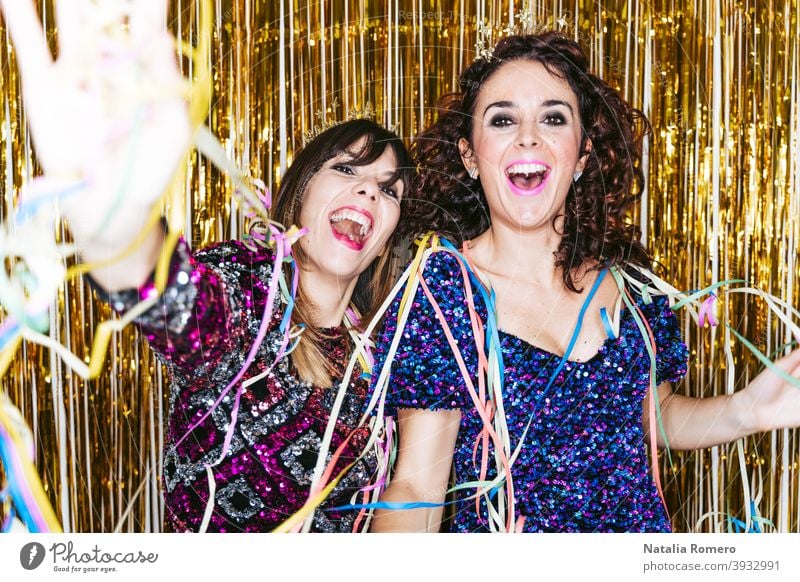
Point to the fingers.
(790, 363)
(148, 19)
(69, 16)
(33, 55)
(793, 363)
(161, 61)
(792, 359)
(149, 30)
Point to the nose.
(528, 135)
(368, 187)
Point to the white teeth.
(527, 169)
(357, 217)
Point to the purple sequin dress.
(584, 463)
(202, 330)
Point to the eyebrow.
(391, 176)
(499, 104)
(553, 102)
(548, 103)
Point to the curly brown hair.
(445, 199)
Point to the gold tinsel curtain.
(719, 81)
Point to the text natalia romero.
(687, 549)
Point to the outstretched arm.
(424, 458)
(768, 402)
(110, 112)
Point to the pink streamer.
(281, 246)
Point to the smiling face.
(525, 144)
(350, 212)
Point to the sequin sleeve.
(671, 353)
(424, 372)
(213, 302)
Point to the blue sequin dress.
(584, 463)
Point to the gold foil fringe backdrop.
(719, 81)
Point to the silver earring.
(576, 176)
(473, 173)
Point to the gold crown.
(323, 123)
(524, 24)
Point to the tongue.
(348, 228)
(526, 181)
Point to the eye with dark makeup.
(344, 169)
(390, 190)
(501, 120)
(554, 118)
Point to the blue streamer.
(29, 208)
(489, 298)
(607, 323)
(9, 334)
(741, 527)
(5, 495)
(289, 297)
(574, 339)
(404, 505)
(394, 506)
(15, 489)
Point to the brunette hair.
(444, 198)
(374, 284)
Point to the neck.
(520, 256)
(328, 297)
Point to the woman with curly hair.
(532, 359)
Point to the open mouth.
(352, 227)
(528, 178)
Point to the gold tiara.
(324, 123)
(525, 23)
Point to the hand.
(111, 110)
(771, 401)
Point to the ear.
(467, 156)
(587, 149)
